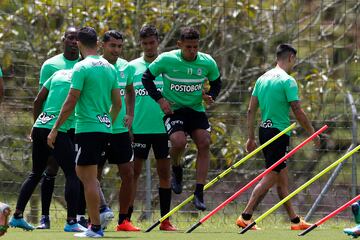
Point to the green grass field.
(208, 231)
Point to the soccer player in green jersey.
(65, 60)
(275, 93)
(119, 150)
(1, 86)
(148, 127)
(95, 93)
(184, 72)
(47, 107)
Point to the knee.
(203, 144)
(164, 175)
(178, 143)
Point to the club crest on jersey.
(122, 74)
(104, 119)
(45, 118)
(199, 71)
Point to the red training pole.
(324, 219)
(235, 195)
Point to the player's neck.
(283, 66)
(71, 56)
(89, 52)
(150, 59)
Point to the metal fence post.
(338, 168)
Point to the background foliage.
(240, 35)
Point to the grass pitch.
(208, 231)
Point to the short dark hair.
(112, 34)
(189, 33)
(148, 31)
(284, 49)
(87, 36)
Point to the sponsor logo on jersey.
(45, 117)
(144, 92)
(104, 119)
(185, 88)
(122, 92)
(266, 124)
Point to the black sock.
(95, 228)
(246, 216)
(18, 215)
(130, 211)
(199, 191)
(165, 200)
(178, 172)
(71, 221)
(295, 220)
(122, 217)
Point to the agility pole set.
(223, 174)
(332, 214)
(302, 187)
(230, 199)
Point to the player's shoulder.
(121, 62)
(173, 54)
(139, 60)
(53, 60)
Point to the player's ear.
(179, 44)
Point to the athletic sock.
(18, 215)
(122, 217)
(295, 220)
(199, 191)
(246, 216)
(130, 211)
(165, 200)
(95, 228)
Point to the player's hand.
(317, 142)
(165, 106)
(207, 98)
(30, 135)
(52, 137)
(250, 145)
(128, 120)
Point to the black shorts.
(89, 147)
(186, 120)
(276, 150)
(143, 142)
(71, 133)
(63, 151)
(118, 150)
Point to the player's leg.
(121, 154)
(201, 138)
(47, 189)
(64, 154)
(40, 153)
(160, 144)
(174, 125)
(89, 147)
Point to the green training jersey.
(124, 80)
(58, 86)
(275, 90)
(1, 74)
(184, 80)
(95, 78)
(148, 115)
(54, 64)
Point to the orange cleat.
(127, 226)
(302, 225)
(243, 223)
(167, 226)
